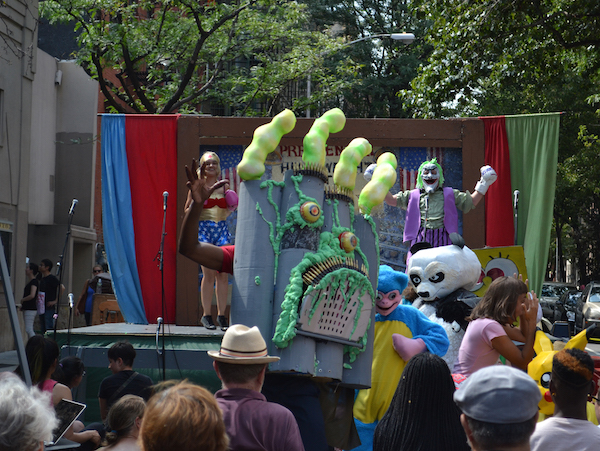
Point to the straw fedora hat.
(242, 345)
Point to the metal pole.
(14, 319)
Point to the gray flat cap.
(499, 394)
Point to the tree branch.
(130, 70)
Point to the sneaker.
(222, 322)
(207, 322)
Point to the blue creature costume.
(394, 323)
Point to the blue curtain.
(117, 220)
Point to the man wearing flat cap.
(252, 423)
(500, 408)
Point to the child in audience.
(490, 333)
(123, 424)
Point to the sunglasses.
(97, 271)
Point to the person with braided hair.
(422, 415)
(570, 386)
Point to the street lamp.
(406, 38)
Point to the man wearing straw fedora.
(252, 423)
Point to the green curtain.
(533, 144)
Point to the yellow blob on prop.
(348, 241)
(315, 141)
(310, 212)
(264, 141)
(383, 179)
(344, 175)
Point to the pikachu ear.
(579, 341)
(542, 343)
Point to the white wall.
(43, 146)
(77, 101)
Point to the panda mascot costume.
(443, 277)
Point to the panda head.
(437, 272)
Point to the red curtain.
(151, 143)
(499, 225)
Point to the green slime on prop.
(285, 329)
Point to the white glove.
(488, 176)
(368, 174)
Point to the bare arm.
(520, 357)
(391, 200)
(206, 254)
(476, 196)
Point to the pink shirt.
(476, 349)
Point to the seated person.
(42, 357)
(123, 381)
(123, 423)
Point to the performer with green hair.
(431, 210)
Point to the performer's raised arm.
(205, 254)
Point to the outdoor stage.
(184, 355)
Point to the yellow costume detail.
(371, 404)
(216, 214)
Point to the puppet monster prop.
(305, 264)
(443, 277)
(401, 331)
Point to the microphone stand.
(59, 269)
(159, 256)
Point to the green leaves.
(180, 55)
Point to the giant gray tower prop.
(305, 264)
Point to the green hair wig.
(420, 177)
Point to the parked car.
(551, 292)
(590, 307)
(568, 308)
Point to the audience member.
(70, 371)
(42, 357)
(570, 385)
(252, 422)
(86, 298)
(29, 301)
(423, 399)
(490, 332)
(26, 418)
(500, 408)
(49, 293)
(123, 424)
(184, 417)
(123, 381)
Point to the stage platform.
(184, 355)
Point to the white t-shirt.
(565, 434)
